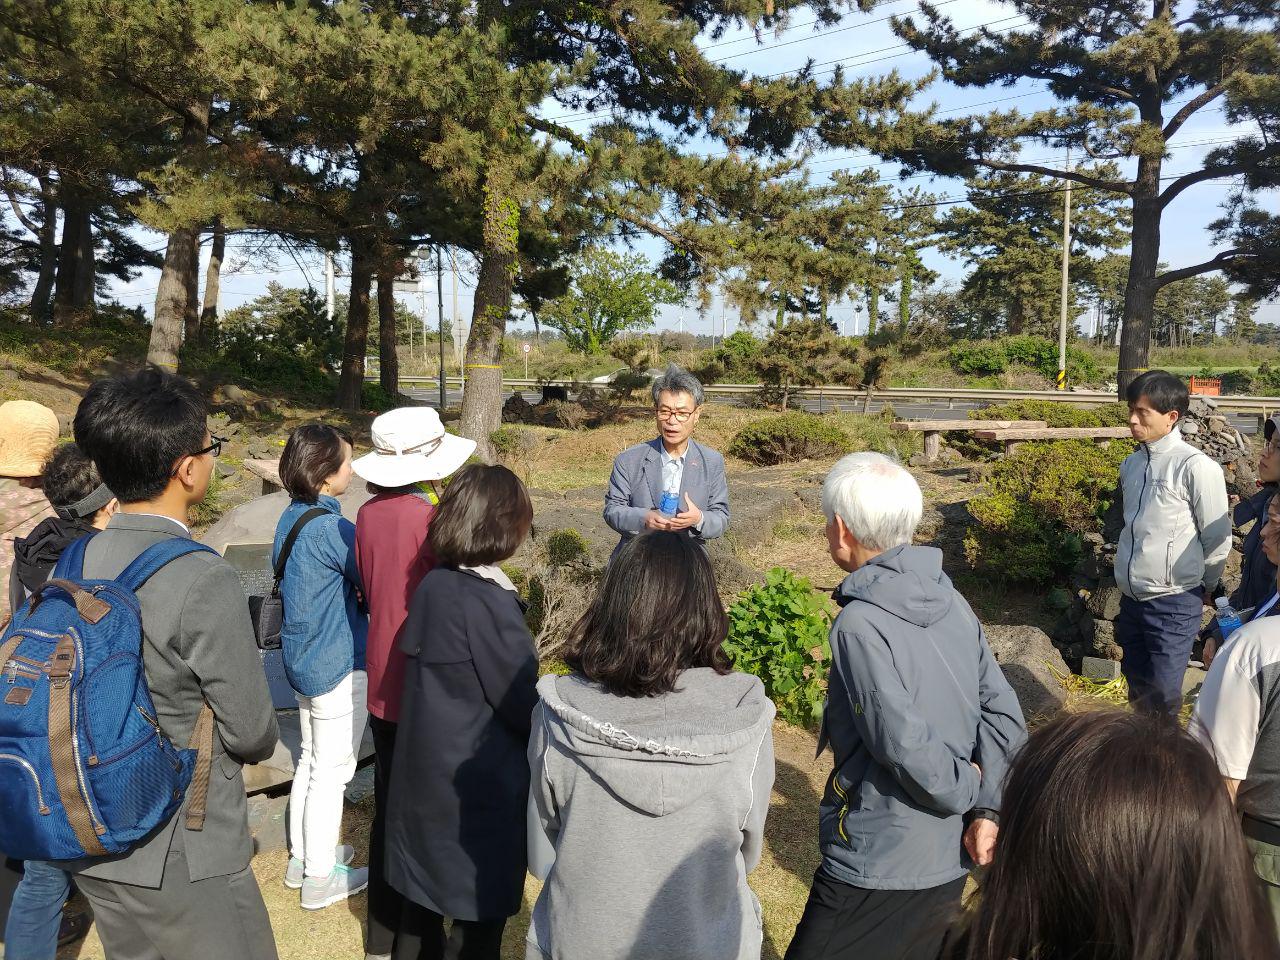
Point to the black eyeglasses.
(214, 448)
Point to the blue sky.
(866, 46)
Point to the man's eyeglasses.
(679, 416)
(214, 448)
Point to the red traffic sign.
(526, 347)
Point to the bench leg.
(1011, 447)
(932, 445)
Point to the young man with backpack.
(186, 889)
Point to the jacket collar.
(1165, 443)
(149, 523)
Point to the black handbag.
(267, 612)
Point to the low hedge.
(790, 437)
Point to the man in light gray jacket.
(671, 482)
(1175, 542)
(921, 723)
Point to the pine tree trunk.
(388, 360)
(482, 399)
(1140, 291)
(171, 298)
(191, 310)
(48, 237)
(86, 277)
(181, 263)
(873, 309)
(351, 380)
(70, 252)
(213, 278)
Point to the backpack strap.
(287, 548)
(70, 565)
(158, 555)
(198, 793)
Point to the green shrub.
(1028, 527)
(509, 440)
(790, 437)
(989, 357)
(978, 358)
(1056, 414)
(1237, 381)
(778, 631)
(565, 547)
(376, 399)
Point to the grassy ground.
(570, 459)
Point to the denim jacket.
(324, 632)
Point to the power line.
(788, 29)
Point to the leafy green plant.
(1056, 414)
(565, 547)
(978, 358)
(1029, 526)
(778, 631)
(790, 437)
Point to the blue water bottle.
(670, 503)
(1228, 619)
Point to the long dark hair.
(1118, 842)
(657, 614)
(483, 517)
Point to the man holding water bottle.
(671, 482)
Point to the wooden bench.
(934, 429)
(268, 472)
(1013, 438)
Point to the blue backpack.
(85, 769)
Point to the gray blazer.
(198, 648)
(635, 488)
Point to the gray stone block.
(1098, 668)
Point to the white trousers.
(332, 728)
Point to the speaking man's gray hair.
(879, 502)
(676, 379)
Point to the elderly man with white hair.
(921, 724)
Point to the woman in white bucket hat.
(411, 453)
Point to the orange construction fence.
(1206, 386)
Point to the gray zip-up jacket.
(915, 698)
(1177, 532)
(646, 815)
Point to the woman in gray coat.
(651, 767)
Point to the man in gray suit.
(183, 891)
(671, 482)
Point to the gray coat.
(635, 488)
(198, 647)
(647, 814)
(914, 695)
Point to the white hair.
(879, 502)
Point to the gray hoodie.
(653, 809)
(914, 696)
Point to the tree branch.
(1112, 186)
(557, 130)
(1212, 173)
(18, 212)
(1191, 106)
(1066, 78)
(1225, 259)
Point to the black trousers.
(385, 902)
(842, 922)
(422, 937)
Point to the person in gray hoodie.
(651, 768)
(921, 723)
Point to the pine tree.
(1127, 78)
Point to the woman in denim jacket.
(323, 638)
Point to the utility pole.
(328, 287)
(1066, 292)
(453, 264)
(440, 304)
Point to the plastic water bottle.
(1228, 619)
(670, 504)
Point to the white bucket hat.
(410, 445)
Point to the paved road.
(916, 410)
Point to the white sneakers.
(295, 874)
(321, 892)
